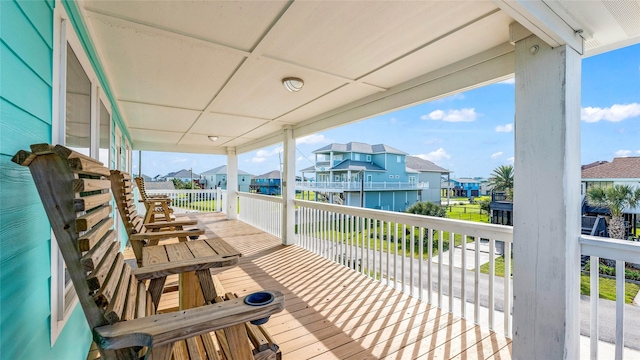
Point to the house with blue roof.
(372, 176)
(267, 183)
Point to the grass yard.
(470, 212)
(607, 286)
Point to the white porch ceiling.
(184, 70)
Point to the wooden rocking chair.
(118, 305)
(157, 206)
(142, 233)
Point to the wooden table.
(196, 287)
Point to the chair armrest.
(177, 267)
(165, 234)
(163, 329)
(156, 201)
(163, 224)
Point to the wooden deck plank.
(332, 312)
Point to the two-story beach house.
(217, 178)
(232, 77)
(372, 176)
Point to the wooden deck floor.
(332, 312)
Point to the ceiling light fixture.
(213, 137)
(293, 84)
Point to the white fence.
(261, 211)
(357, 185)
(621, 251)
(367, 241)
(197, 200)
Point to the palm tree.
(616, 199)
(502, 178)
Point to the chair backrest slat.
(105, 294)
(123, 195)
(98, 276)
(92, 258)
(115, 308)
(90, 219)
(91, 237)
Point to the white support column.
(232, 184)
(289, 188)
(546, 318)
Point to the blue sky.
(469, 133)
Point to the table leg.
(190, 293)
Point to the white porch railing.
(357, 185)
(367, 241)
(197, 200)
(621, 251)
(261, 211)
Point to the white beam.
(545, 23)
(195, 149)
(546, 318)
(232, 184)
(289, 188)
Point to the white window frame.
(356, 157)
(397, 176)
(64, 298)
(390, 176)
(398, 158)
(368, 157)
(412, 179)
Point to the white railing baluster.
(388, 253)
(492, 277)
(594, 262)
(619, 309)
(463, 278)
(412, 249)
(451, 258)
(429, 266)
(440, 259)
(395, 255)
(476, 280)
(507, 289)
(420, 263)
(375, 249)
(403, 255)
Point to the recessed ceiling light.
(213, 137)
(293, 84)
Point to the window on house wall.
(412, 179)
(337, 157)
(368, 157)
(397, 176)
(80, 121)
(390, 176)
(105, 135)
(356, 157)
(398, 158)
(78, 106)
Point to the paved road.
(606, 307)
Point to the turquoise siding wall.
(26, 37)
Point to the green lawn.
(607, 286)
(470, 212)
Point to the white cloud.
(262, 155)
(511, 159)
(638, 152)
(299, 158)
(623, 153)
(311, 139)
(435, 156)
(178, 160)
(510, 81)
(462, 115)
(615, 113)
(496, 155)
(504, 128)
(393, 120)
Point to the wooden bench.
(119, 307)
(157, 206)
(142, 233)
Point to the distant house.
(465, 187)
(218, 177)
(146, 178)
(267, 184)
(373, 176)
(184, 175)
(428, 173)
(621, 170)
